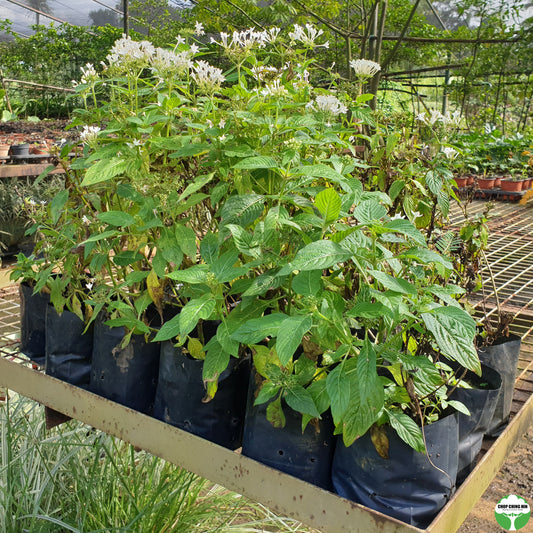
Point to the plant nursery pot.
(4, 150)
(33, 323)
(503, 357)
(511, 186)
(405, 486)
(481, 402)
(497, 182)
(20, 150)
(68, 348)
(526, 184)
(485, 183)
(461, 182)
(124, 375)
(180, 395)
(306, 455)
(470, 180)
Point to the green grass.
(77, 479)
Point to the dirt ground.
(515, 477)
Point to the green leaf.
(127, 257)
(369, 310)
(369, 211)
(223, 268)
(215, 362)
(329, 203)
(209, 248)
(396, 188)
(169, 329)
(267, 391)
(116, 218)
(257, 329)
(307, 283)
(263, 283)
(454, 330)
(300, 400)
(243, 209)
(338, 389)
(193, 275)
(191, 150)
(407, 430)
(104, 170)
(102, 236)
(425, 256)
(394, 284)
(317, 256)
(193, 311)
(57, 204)
(243, 240)
(290, 334)
(406, 227)
(259, 161)
(196, 185)
(434, 181)
(186, 239)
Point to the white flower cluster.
(275, 89)
(89, 133)
(436, 116)
(365, 68)
(207, 78)
(247, 39)
(165, 63)
(264, 72)
(307, 36)
(88, 77)
(126, 52)
(328, 104)
(199, 29)
(449, 152)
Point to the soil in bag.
(406, 486)
(124, 374)
(503, 357)
(306, 455)
(481, 401)
(181, 397)
(68, 347)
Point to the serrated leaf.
(329, 203)
(116, 218)
(307, 283)
(369, 211)
(243, 240)
(193, 275)
(267, 391)
(186, 239)
(259, 161)
(338, 389)
(257, 329)
(407, 430)
(454, 331)
(394, 284)
(169, 329)
(434, 181)
(317, 256)
(243, 209)
(406, 227)
(209, 248)
(301, 401)
(104, 170)
(289, 337)
(57, 204)
(195, 310)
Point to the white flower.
(208, 78)
(85, 220)
(128, 54)
(167, 63)
(330, 105)
(307, 36)
(398, 216)
(89, 74)
(222, 123)
(421, 117)
(263, 72)
(180, 40)
(365, 68)
(199, 29)
(436, 116)
(89, 133)
(275, 89)
(449, 152)
(415, 215)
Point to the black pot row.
(160, 380)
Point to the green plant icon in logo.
(512, 512)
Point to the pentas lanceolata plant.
(235, 196)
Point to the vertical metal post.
(126, 17)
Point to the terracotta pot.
(485, 183)
(461, 181)
(497, 181)
(471, 180)
(4, 150)
(526, 184)
(511, 186)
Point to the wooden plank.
(18, 171)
